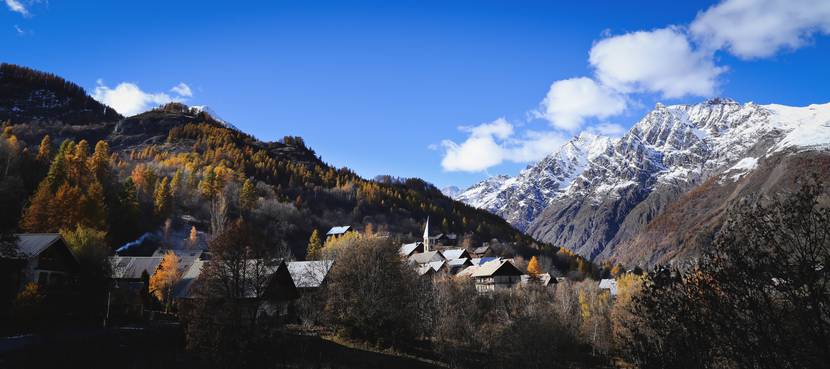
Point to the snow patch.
(741, 168)
(809, 127)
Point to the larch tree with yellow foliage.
(533, 267)
(165, 278)
(315, 245)
(162, 200)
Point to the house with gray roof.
(131, 268)
(43, 258)
(338, 231)
(543, 279)
(456, 265)
(426, 257)
(610, 285)
(493, 275)
(408, 249)
(482, 251)
(455, 253)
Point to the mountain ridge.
(292, 183)
(671, 151)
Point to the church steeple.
(426, 236)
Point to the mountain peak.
(720, 101)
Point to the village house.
(43, 258)
(543, 279)
(492, 276)
(408, 249)
(441, 239)
(610, 285)
(455, 253)
(456, 265)
(482, 251)
(269, 289)
(338, 231)
(426, 257)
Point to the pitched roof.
(266, 268)
(181, 253)
(473, 269)
(131, 267)
(458, 262)
(309, 274)
(409, 248)
(336, 231)
(423, 270)
(183, 289)
(32, 244)
(426, 257)
(544, 279)
(451, 254)
(490, 268)
(436, 265)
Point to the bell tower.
(426, 236)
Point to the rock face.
(521, 199)
(680, 154)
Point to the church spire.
(426, 235)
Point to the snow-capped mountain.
(602, 199)
(520, 199)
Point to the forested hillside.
(67, 161)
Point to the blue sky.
(383, 87)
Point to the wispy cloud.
(129, 99)
(17, 7)
(182, 89)
(19, 30)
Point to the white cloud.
(480, 151)
(493, 143)
(534, 146)
(19, 30)
(182, 89)
(569, 102)
(661, 61)
(760, 28)
(17, 7)
(128, 99)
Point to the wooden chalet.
(43, 258)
